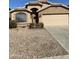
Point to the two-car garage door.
(55, 20)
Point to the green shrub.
(12, 24)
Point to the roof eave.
(13, 10)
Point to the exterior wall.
(40, 18)
(50, 16)
(55, 20)
(13, 17)
(28, 18)
(53, 10)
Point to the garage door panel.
(51, 20)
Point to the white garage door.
(55, 20)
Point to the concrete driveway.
(61, 34)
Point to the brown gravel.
(33, 43)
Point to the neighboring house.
(41, 11)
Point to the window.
(21, 17)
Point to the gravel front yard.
(33, 43)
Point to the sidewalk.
(57, 57)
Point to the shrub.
(12, 24)
(33, 25)
(41, 25)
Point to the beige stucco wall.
(28, 18)
(55, 20)
(53, 10)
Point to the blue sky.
(20, 3)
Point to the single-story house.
(50, 14)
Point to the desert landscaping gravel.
(27, 43)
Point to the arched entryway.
(35, 17)
(21, 17)
(34, 10)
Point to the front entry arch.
(35, 13)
